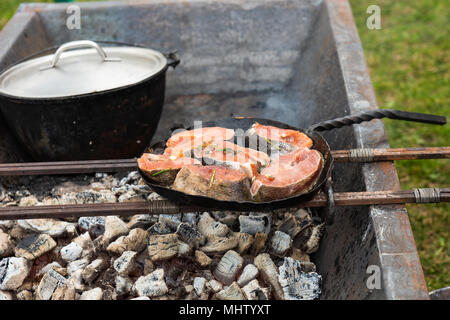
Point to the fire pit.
(299, 62)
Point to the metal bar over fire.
(429, 195)
(92, 166)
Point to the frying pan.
(319, 144)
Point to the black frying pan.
(319, 143)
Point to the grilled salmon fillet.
(205, 134)
(278, 141)
(291, 174)
(217, 182)
(231, 155)
(163, 169)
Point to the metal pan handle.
(378, 114)
(77, 45)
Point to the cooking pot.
(91, 103)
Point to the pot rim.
(172, 60)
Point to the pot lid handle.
(76, 45)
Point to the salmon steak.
(163, 169)
(205, 134)
(231, 155)
(291, 174)
(217, 182)
(278, 141)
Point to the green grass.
(409, 65)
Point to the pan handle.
(378, 114)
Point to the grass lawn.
(409, 64)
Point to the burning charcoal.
(228, 267)
(114, 228)
(171, 220)
(215, 285)
(225, 217)
(152, 285)
(34, 246)
(93, 294)
(28, 201)
(210, 227)
(13, 272)
(199, 285)
(143, 221)
(254, 224)
(76, 265)
(52, 265)
(71, 252)
(190, 235)
(162, 247)
(249, 273)
(6, 245)
(136, 240)
(5, 225)
(95, 225)
(297, 254)
(64, 292)
(218, 245)
(190, 218)
(245, 242)
(184, 249)
(232, 292)
(159, 228)
(52, 227)
(123, 285)
(253, 291)
(280, 243)
(296, 284)
(289, 226)
(24, 295)
(202, 259)
(313, 242)
(125, 263)
(92, 270)
(49, 283)
(269, 273)
(259, 242)
(4, 295)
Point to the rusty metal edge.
(403, 276)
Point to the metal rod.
(167, 207)
(373, 155)
(120, 165)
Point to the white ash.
(228, 267)
(12, 272)
(182, 256)
(298, 285)
(280, 243)
(249, 273)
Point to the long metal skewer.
(429, 195)
(91, 166)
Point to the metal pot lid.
(83, 71)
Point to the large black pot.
(85, 121)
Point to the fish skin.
(151, 164)
(227, 184)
